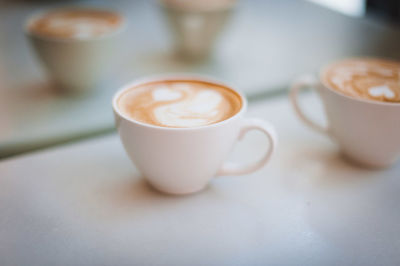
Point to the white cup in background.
(74, 64)
(368, 132)
(184, 160)
(196, 24)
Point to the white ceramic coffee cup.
(184, 160)
(368, 132)
(76, 65)
(196, 28)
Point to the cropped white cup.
(183, 160)
(196, 29)
(76, 65)
(368, 132)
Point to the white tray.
(85, 204)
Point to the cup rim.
(326, 66)
(38, 13)
(181, 77)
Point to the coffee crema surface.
(179, 103)
(76, 23)
(365, 78)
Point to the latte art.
(366, 78)
(179, 104)
(77, 23)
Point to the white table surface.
(85, 204)
(265, 45)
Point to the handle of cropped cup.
(230, 168)
(306, 81)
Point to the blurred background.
(263, 46)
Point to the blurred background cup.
(76, 64)
(367, 131)
(196, 24)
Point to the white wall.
(348, 7)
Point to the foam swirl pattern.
(366, 78)
(179, 104)
(76, 23)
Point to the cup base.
(178, 191)
(74, 89)
(366, 163)
(192, 56)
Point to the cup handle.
(230, 168)
(306, 81)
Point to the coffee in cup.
(179, 103)
(365, 78)
(75, 23)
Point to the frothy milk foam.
(179, 104)
(76, 23)
(366, 78)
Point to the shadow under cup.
(368, 132)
